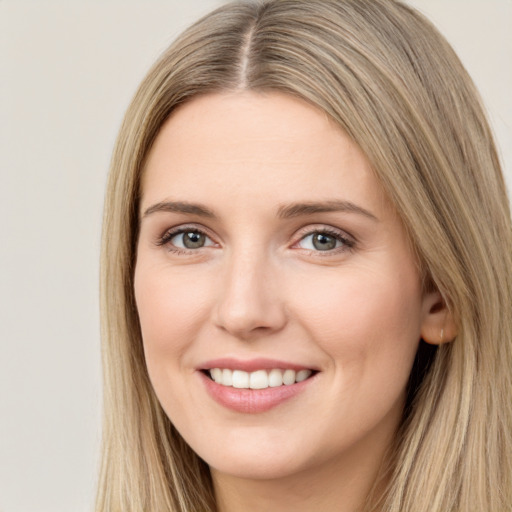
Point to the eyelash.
(348, 243)
(165, 239)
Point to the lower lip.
(251, 401)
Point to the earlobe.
(439, 324)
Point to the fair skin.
(289, 251)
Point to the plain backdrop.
(68, 71)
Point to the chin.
(258, 468)
(251, 455)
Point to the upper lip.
(251, 365)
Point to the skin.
(260, 288)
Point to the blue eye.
(323, 241)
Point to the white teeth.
(275, 378)
(289, 377)
(227, 377)
(240, 379)
(216, 374)
(260, 379)
(302, 375)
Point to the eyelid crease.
(330, 230)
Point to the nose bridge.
(249, 299)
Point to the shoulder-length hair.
(387, 77)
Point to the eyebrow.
(309, 208)
(284, 212)
(180, 207)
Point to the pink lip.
(252, 401)
(252, 365)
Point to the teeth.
(289, 377)
(227, 377)
(302, 375)
(240, 379)
(275, 378)
(260, 379)
(216, 374)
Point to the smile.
(257, 385)
(259, 379)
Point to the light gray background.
(68, 71)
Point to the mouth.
(258, 379)
(255, 385)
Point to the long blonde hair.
(390, 80)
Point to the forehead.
(249, 145)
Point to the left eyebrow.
(309, 208)
(180, 207)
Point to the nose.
(250, 301)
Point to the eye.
(186, 239)
(324, 241)
(189, 240)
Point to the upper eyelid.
(180, 228)
(324, 228)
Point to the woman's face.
(268, 251)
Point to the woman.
(306, 275)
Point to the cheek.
(171, 308)
(367, 323)
(369, 328)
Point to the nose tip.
(244, 321)
(250, 304)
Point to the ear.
(438, 324)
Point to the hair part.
(393, 84)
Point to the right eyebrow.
(180, 207)
(310, 208)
